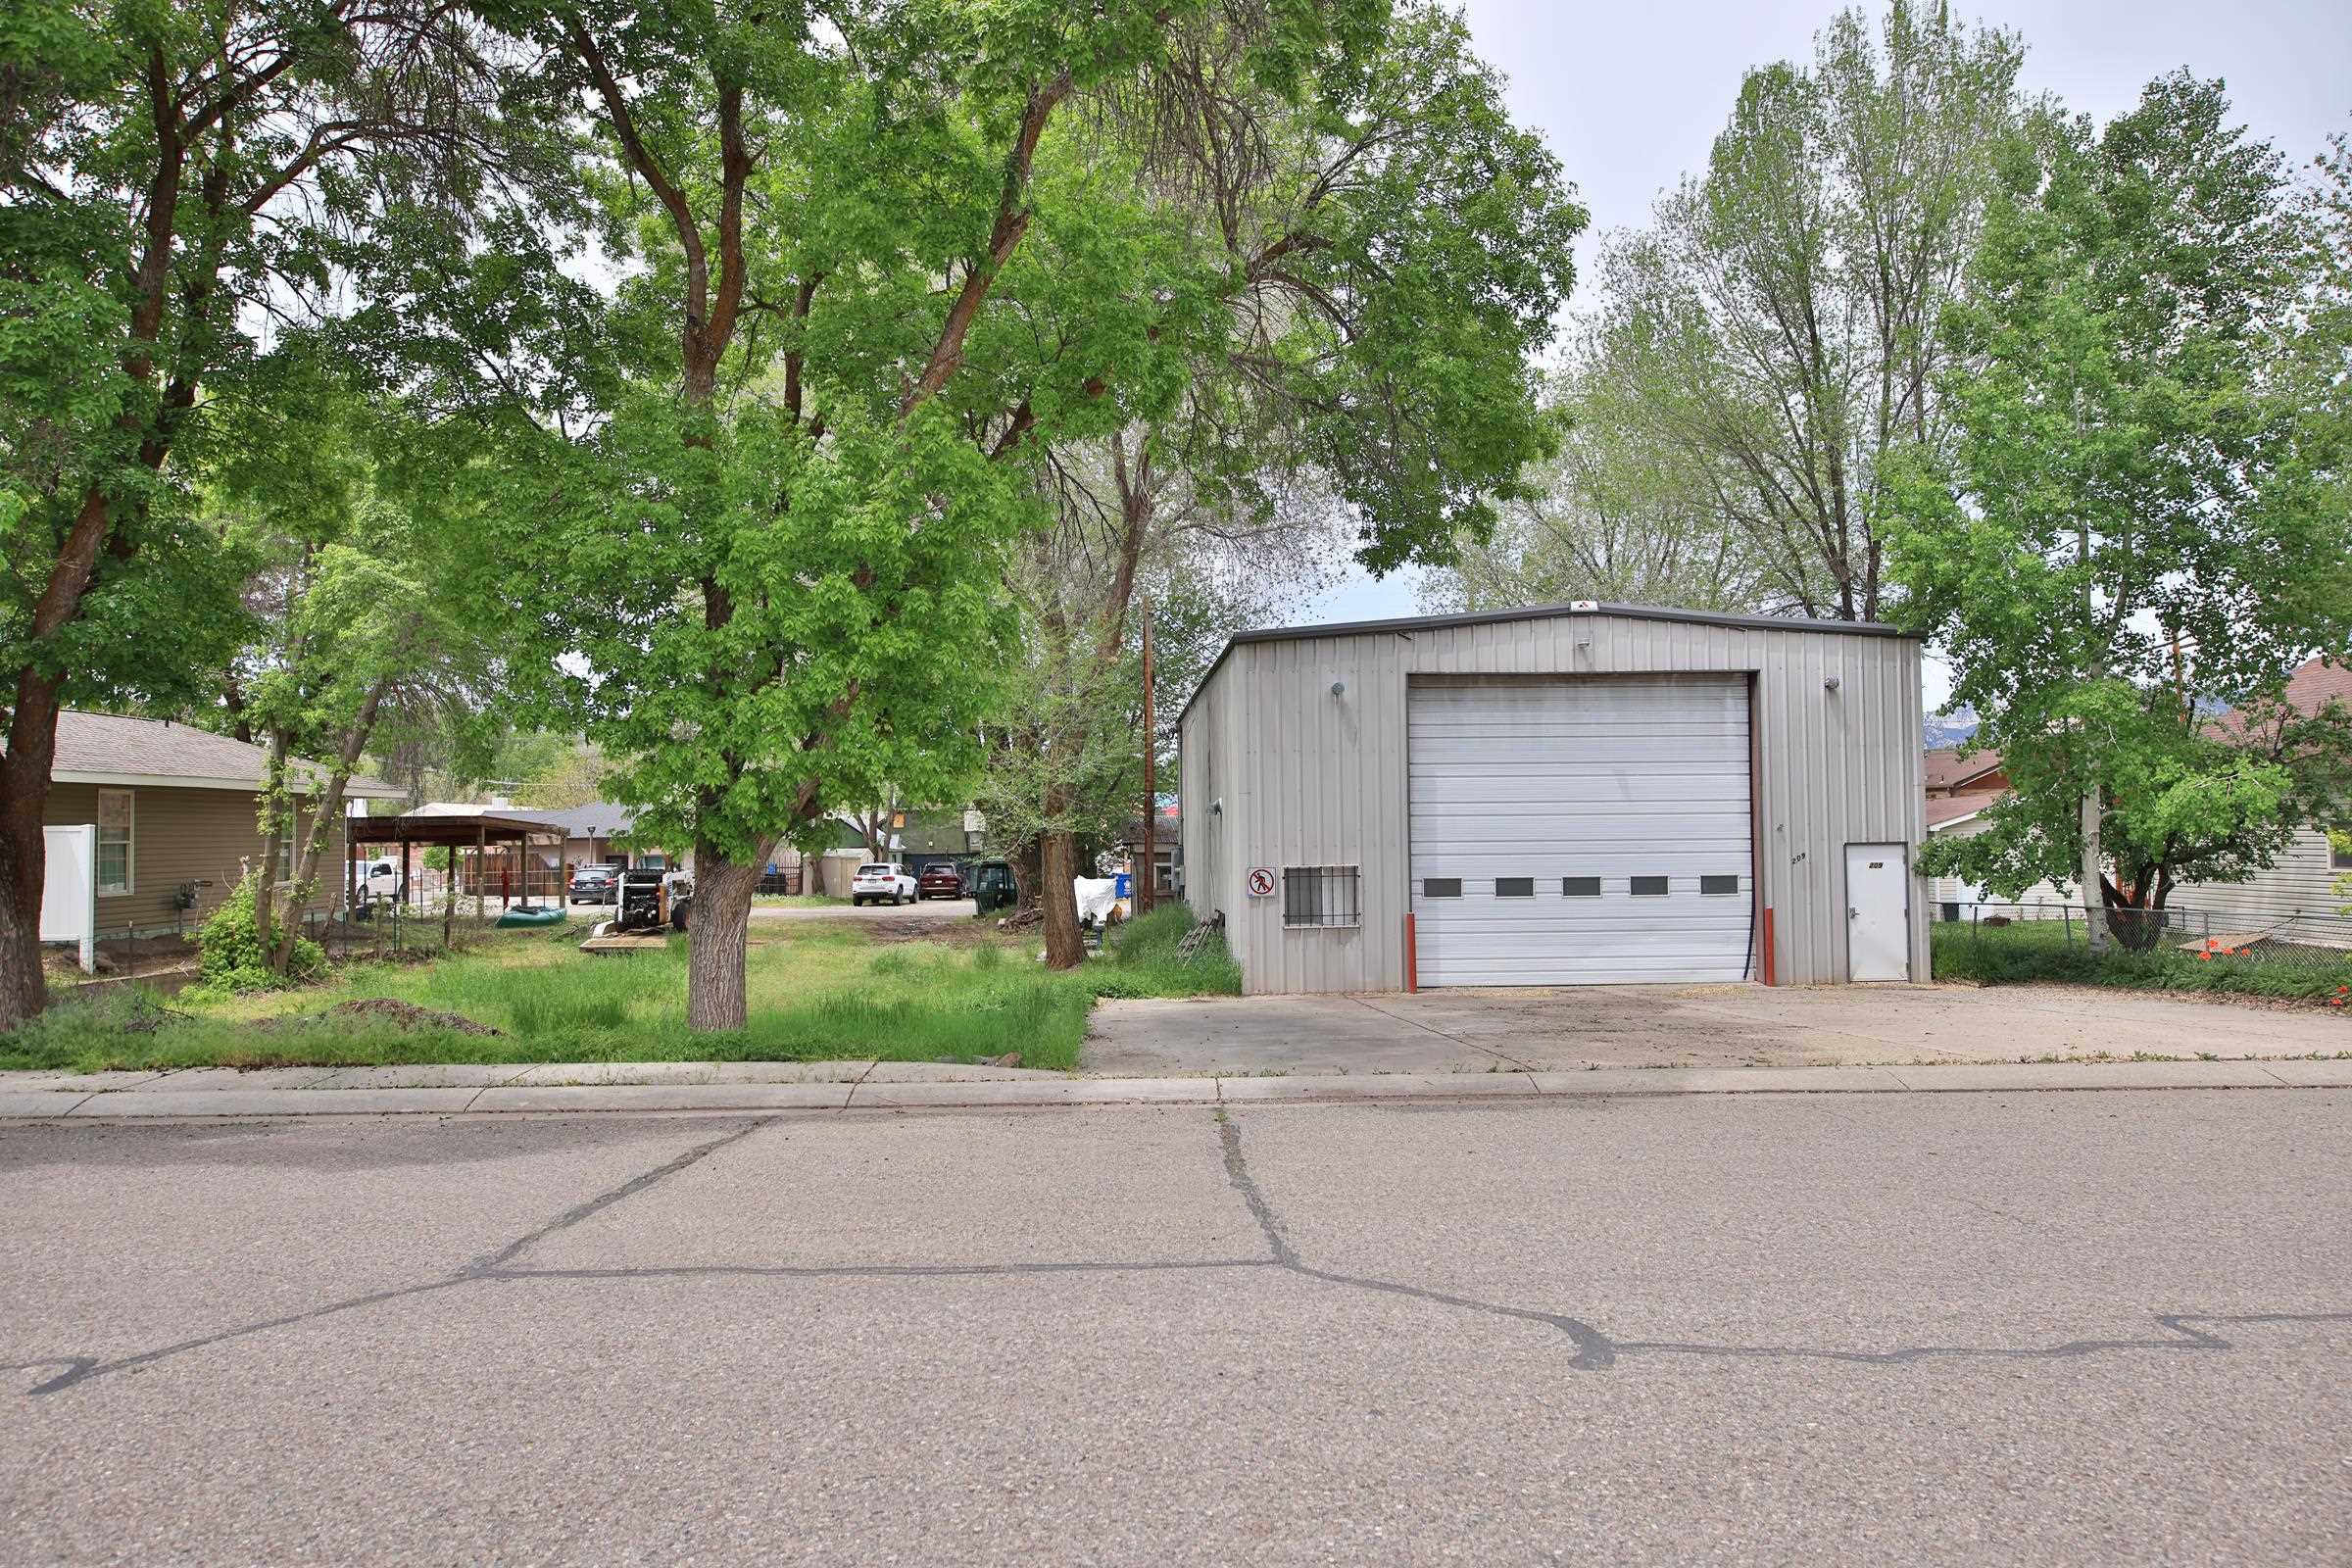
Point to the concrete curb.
(51, 1101)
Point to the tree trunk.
(328, 814)
(724, 890)
(1058, 855)
(275, 803)
(24, 853)
(1027, 875)
(2095, 899)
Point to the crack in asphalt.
(1594, 1351)
(603, 1201)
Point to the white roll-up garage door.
(1581, 831)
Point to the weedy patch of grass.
(1140, 959)
(2031, 950)
(816, 991)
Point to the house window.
(1650, 887)
(1719, 884)
(1441, 887)
(1320, 896)
(1514, 887)
(1580, 887)
(116, 859)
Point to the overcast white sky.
(1631, 95)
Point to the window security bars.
(1321, 895)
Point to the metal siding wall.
(1309, 779)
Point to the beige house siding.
(2293, 896)
(185, 835)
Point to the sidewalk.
(213, 1092)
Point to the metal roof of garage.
(1406, 625)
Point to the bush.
(232, 958)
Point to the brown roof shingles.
(111, 744)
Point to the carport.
(456, 832)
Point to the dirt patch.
(946, 933)
(386, 1010)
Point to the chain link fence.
(373, 927)
(2319, 942)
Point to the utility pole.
(1147, 887)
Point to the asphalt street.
(2102, 1327)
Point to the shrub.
(232, 956)
(2046, 950)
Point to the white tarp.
(1096, 896)
(69, 890)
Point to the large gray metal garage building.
(1571, 795)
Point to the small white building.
(1567, 795)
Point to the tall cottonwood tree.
(2144, 515)
(171, 177)
(1383, 252)
(1774, 329)
(1613, 516)
(883, 261)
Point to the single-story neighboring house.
(1582, 794)
(2293, 897)
(1167, 840)
(177, 813)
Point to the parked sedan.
(882, 882)
(939, 880)
(596, 884)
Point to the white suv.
(880, 881)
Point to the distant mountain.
(1955, 728)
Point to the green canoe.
(534, 914)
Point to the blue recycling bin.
(1124, 885)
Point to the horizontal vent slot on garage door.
(1441, 887)
(1514, 887)
(1718, 884)
(1650, 887)
(1580, 887)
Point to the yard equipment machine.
(649, 903)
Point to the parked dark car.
(939, 880)
(596, 884)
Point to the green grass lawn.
(798, 901)
(2028, 951)
(818, 992)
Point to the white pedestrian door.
(1580, 831)
(1877, 913)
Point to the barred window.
(1320, 896)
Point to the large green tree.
(1768, 343)
(1614, 515)
(2143, 520)
(881, 264)
(173, 180)
(369, 620)
(1378, 255)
